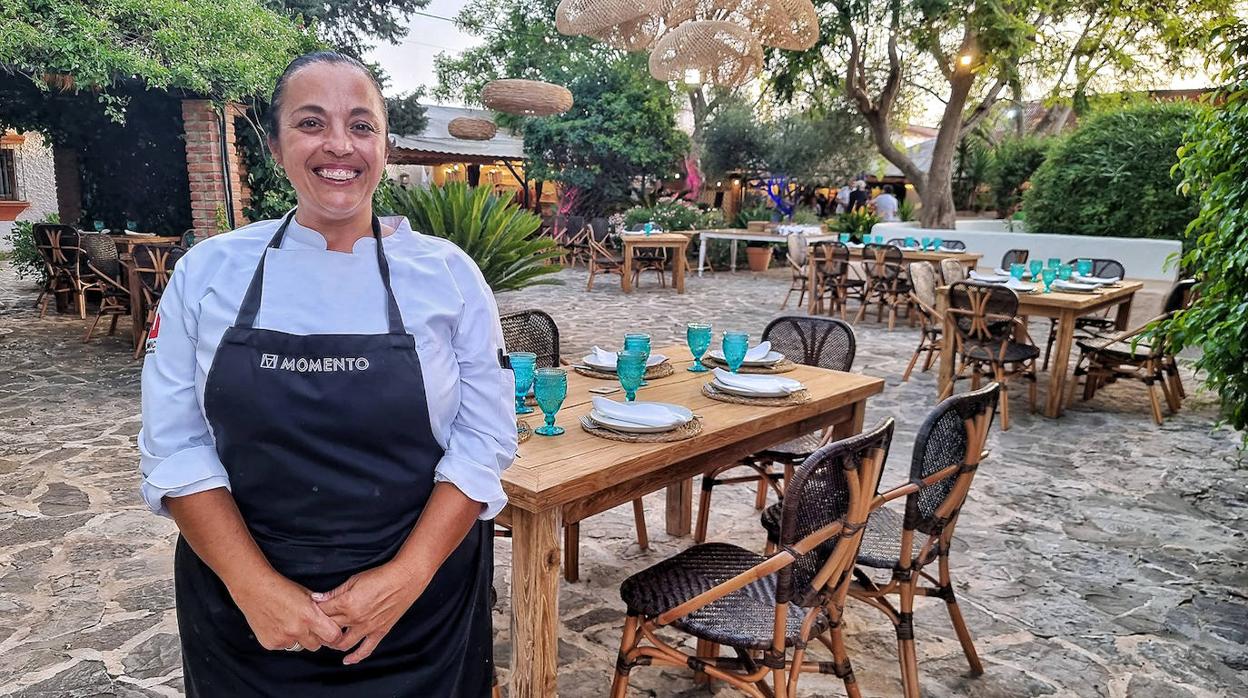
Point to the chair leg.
(959, 623)
(571, 552)
(844, 670)
(1153, 400)
(704, 507)
(760, 499)
(906, 654)
(91, 328)
(1048, 349)
(639, 520)
(1005, 398)
(1176, 378)
(592, 268)
(619, 684)
(914, 359)
(82, 303)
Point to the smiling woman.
(326, 420)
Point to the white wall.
(1143, 258)
(36, 178)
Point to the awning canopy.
(435, 145)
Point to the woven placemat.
(781, 366)
(523, 431)
(689, 430)
(662, 370)
(800, 397)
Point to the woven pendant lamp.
(526, 97)
(637, 35)
(573, 17)
(723, 53)
(472, 129)
(785, 24)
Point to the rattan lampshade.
(723, 53)
(787, 24)
(472, 129)
(526, 97)
(574, 17)
(637, 35)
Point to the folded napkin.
(642, 414)
(1017, 285)
(990, 278)
(1074, 285)
(751, 382)
(1096, 279)
(603, 357)
(759, 352)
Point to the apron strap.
(251, 300)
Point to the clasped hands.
(360, 611)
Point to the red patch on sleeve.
(155, 327)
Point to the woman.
(886, 205)
(326, 419)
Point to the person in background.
(858, 197)
(842, 198)
(886, 204)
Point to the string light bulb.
(693, 77)
(965, 59)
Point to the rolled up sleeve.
(482, 440)
(177, 454)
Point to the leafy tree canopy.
(346, 24)
(405, 115)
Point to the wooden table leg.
(534, 602)
(1061, 363)
(852, 426)
(1123, 319)
(812, 273)
(680, 507)
(946, 344)
(680, 268)
(701, 254)
(626, 279)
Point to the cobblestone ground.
(1098, 555)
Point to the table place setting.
(604, 364)
(743, 389)
(1072, 286)
(640, 422)
(758, 359)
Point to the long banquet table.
(558, 481)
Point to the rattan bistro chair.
(833, 279)
(952, 271)
(105, 266)
(924, 280)
(887, 285)
(602, 260)
(953, 245)
(813, 341)
(154, 265)
(1091, 324)
(654, 260)
(1136, 354)
(774, 606)
(1014, 257)
(799, 258)
(58, 246)
(990, 334)
(947, 452)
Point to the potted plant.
(759, 255)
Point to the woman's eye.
(308, 123)
(365, 127)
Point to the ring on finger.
(294, 648)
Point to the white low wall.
(1143, 258)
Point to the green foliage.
(735, 141)
(271, 193)
(405, 115)
(805, 216)
(1214, 166)
(346, 24)
(673, 214)
(1112, 177)
(25, 258)
(905, 210)
(1014, 160)
(857, 223)
(229, 49)
(498, 235)
(755, 212)
(971, 174)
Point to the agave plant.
(499, 236)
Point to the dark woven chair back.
(599, 229)
(983, 313)
(946, 453)
(1179, 295)
(952, 271)
(154, 263)
(923, 280)
(101, 251)
(954, 245)
(58, 244)
(882, 261)
(900, 242)
(1105, 268)
(823, 490)
(835, 257)
(575, 225)
(533, 331)
(814, 341)
(1014, 257)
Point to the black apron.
(331, 457)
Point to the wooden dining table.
(856, 253)
(1065, 308)
(559, 481)
(677, 242)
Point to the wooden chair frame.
(602, 261)
(1156, 369)
(886, 286)
(745, 673)
(111, 293)
(160, 271)
(833, 281)
(799, 283)
(931, 328)
(63, 263)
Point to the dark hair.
(307, 59)
(888, 189)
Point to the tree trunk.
(938, 210)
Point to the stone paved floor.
(1098, 555)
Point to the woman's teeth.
(337, 175)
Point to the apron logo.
(326, 364)
(150, 345)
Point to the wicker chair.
(990, 334)
(924, 280)
(953, 245)
(952, 271)
(602, 260)
(899, 242)
(887, 285)
(798, 257)
(105, 266)
(573, 240)
(833, 278)
(58, 246)
(774, 606)
(1138, 354)
(154, 265)
(1090, 324)
(947, 451)
(1014, 257)
(813, 341)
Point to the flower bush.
(673, 214)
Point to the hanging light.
(786, 24)
(574, 17)
(965, 59)
(526, 97)
(723, 53)
(471, 128)
(693, 77)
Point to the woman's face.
(331, 140)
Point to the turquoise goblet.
(1017, 270)
(98, 225)
(638, 342)
(735, 345)
(1064, 271)
(630, 368)
(927, 243)
(911, 243)
(1036, 266)
(698, 335)
(937, 242)
(1054, 262)
(1049, 275)
(843, 237)
(523, 364)
(1084, 266)
(550, 387)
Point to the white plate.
(778, 392)
(654, 360)
(772, 357)
(602, 420)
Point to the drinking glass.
(698, 335)
(131, 225)
(649, 227)
(638, 342)
(1016, 270)
(937, 242)
(1036, 267)
(1049, 274)
(843, 237)
(522, 365)
(735, 346)
(1054, 262)
(879, 239)
(1063, 272)
(550, 387)
(927, 242)
(630, 368)
(99, 226)
(911, 244)
(1084, 266)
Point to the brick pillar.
(201, 125)
(68, 184)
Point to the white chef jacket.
(446, 305)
